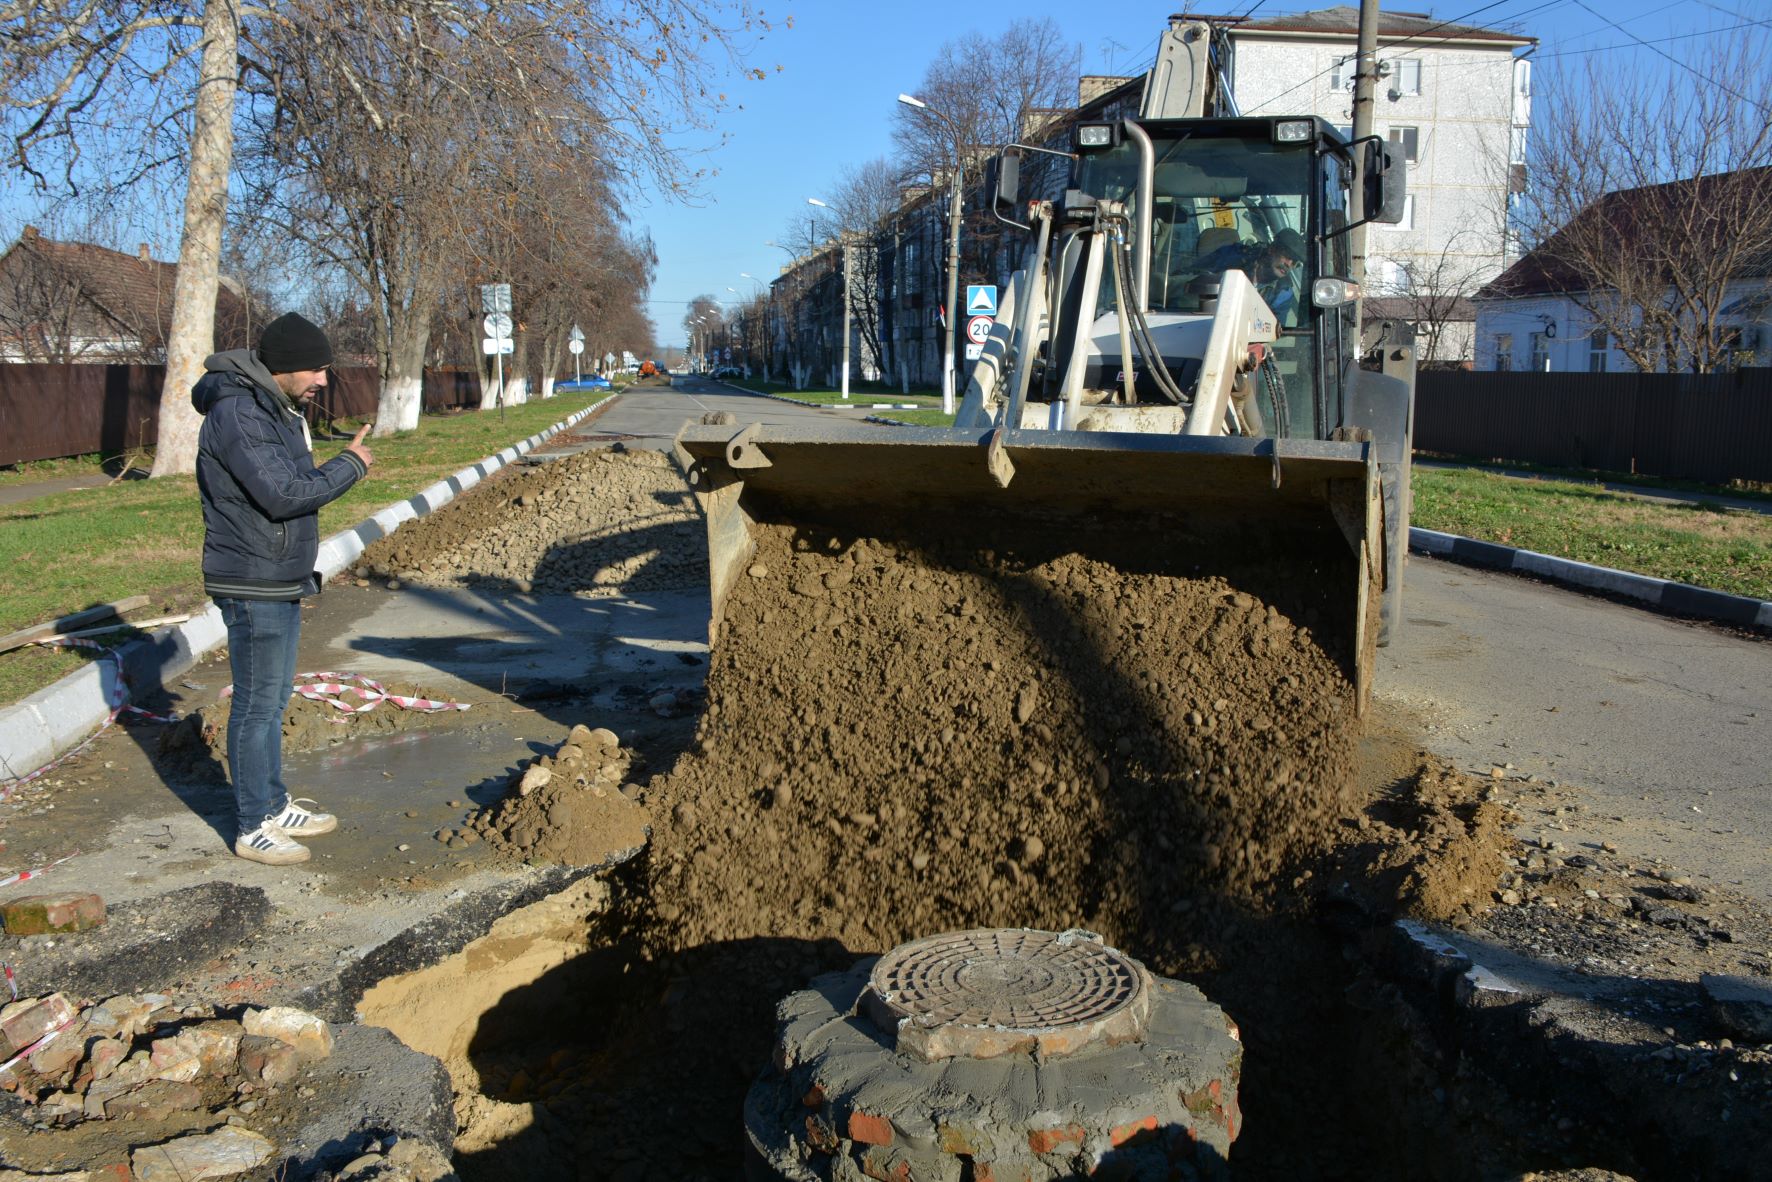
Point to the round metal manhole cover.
(1004, 990)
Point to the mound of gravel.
(601, 523)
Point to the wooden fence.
(1707, 427)
(48, 411)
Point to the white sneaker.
(300, 822)
(270, 845)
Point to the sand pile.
(601, 523)
(571, 807)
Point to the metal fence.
(47, 411)
(1708, 427)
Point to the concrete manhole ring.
(998, 991)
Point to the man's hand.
(356, 445)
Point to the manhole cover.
(992, 992)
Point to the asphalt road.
(1660, 726)
(1656, 732)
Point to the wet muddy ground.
(900, 735)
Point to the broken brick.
(870, 1129)
(27, 1026)
(41, 915)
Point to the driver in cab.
(1269, 266)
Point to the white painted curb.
(1661, 594)
(60, 716)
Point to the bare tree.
(1651, 203)
(441, 126)
(78, 79)
(983, 93)
(864, 201)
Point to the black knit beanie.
(291, 343)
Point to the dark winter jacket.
(261, 491)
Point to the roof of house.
(1344, 21)
(1409, 307)
(1628, 216)
(133, 290)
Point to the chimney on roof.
(143, 251)
(30, 234)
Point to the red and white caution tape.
(330, 688)
(28, 875)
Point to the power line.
(1652, 41)
(1676, 61)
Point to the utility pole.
(949, 378)
(1365, 76)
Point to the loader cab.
(1269, 197)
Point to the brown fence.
(1709, 427)
(48, 411)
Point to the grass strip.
(1703, 544)
(72, 550)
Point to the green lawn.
(73, 550)
(1703, 544)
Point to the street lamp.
(948, 375)
(842, 245)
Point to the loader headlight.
(1292, 131)
(1097, 135)
(1330, 292)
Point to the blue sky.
(844, 64)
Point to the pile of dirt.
(900, 742)
(571, 807)
(1434, 846)
(602, 523)
(999, 731)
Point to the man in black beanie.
(261, 535)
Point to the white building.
(1457, 101)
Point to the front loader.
(1157, 384)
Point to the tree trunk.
(191, 337)
(403, 379)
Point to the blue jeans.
(262, 635)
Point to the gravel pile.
(601, 523)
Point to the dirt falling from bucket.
(898, 743)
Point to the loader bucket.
(1303, 531)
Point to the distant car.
(590, 381)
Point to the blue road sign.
(981, 299)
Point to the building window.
(1342, 76)
(1540, 361)
(1596, 351)
(1504, 350)
(1403, 76)
(1407, 222)
(1408, 142)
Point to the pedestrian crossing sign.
(981, 299)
